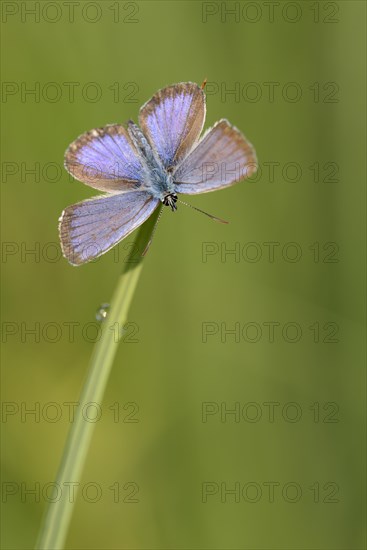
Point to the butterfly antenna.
(204, 83)
(152, 235)
(202, 211)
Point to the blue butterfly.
(139, 168)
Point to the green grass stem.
(56, 521)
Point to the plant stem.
(54, 528)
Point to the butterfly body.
(158, 180)
(139, 167)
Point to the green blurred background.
(312, 54)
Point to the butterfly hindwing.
(91, 227)
(106, 159)
(172, 120)
(221, 158)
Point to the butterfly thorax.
(158, 181)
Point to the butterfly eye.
(170, 200)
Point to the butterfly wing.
(222, 158)
(106, 159)
(172, 121)
(91, 227)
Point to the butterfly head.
(170, 200)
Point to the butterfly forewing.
(222, 157)
(106, 159)
(90, 228)
(173, 120)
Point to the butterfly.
(141, 167)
